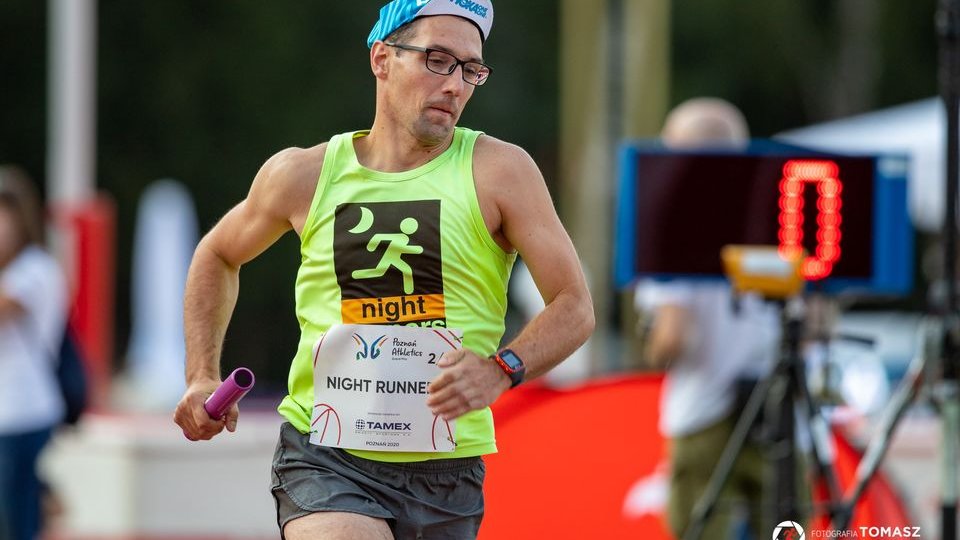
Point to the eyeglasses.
(444, 63)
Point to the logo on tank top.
(388, 262)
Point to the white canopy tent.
(916, 129)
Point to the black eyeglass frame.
(457, 62)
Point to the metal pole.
(948, 30)
(71, 157)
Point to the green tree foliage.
(790, 63)
(23, 79)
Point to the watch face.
(511, 359)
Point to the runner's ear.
(379, 59)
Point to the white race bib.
(370, 388)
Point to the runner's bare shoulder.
(499, 162)
(287, 181)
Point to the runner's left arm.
(530, 224)
(527, 222)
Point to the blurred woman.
(33, 297)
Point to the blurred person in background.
(711, 346)
(416, 171)
(33, 307)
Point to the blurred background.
(199, 94)
(205, 92)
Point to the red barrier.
(570, 460)
(87, 235)
(589, 462)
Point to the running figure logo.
(398, 246)
(389, 264)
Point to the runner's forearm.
(209, 299)
(555, 333)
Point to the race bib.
(370, 387)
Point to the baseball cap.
(399, 12)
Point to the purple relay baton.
(229, 392)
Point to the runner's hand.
(467, 383)
(193, 418)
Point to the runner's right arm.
(278, 201)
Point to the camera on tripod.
(764, 270)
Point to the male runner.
(414, 222)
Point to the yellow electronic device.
(763, 269)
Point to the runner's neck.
(381, 152)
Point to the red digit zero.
(825, 175)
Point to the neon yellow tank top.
(459, 280)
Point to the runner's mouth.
(443, 110)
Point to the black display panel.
(847, 215)
(689, 206)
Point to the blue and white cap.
(399, 12)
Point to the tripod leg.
(783, 450)
(821, 447)
(783, 447)
(706, 504)
(878, 446)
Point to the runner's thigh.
(337, 526)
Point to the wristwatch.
(511, 364)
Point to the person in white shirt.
(33, 302)
(706, 342)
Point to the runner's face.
(429, 102)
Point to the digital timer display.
(825, 177)
(676, 211)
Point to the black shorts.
(441, 498)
